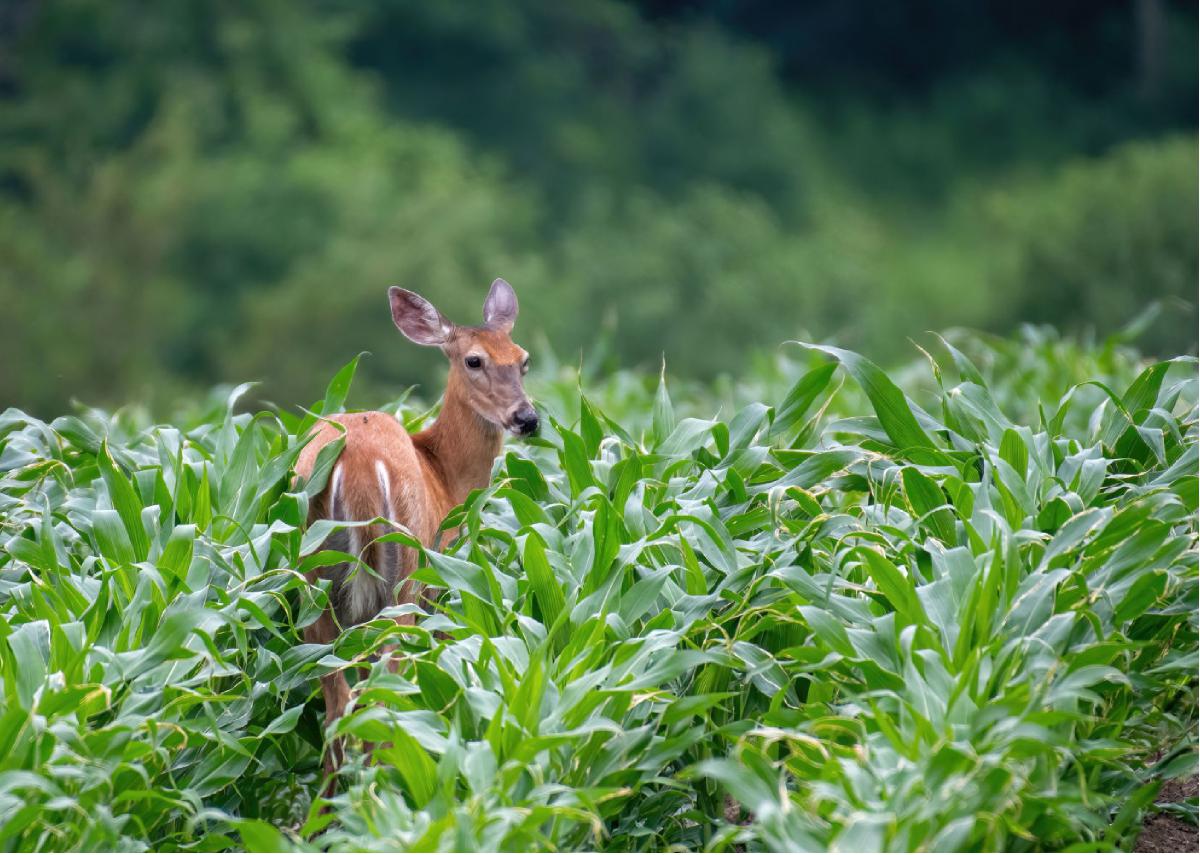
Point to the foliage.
(1090, 245)
(954, 613)
(198, 190)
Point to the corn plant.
(817, 610)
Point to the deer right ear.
(500, 308)
(417, 318)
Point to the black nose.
(525, 420)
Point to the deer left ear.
(500, 307)
(417, 318)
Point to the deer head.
(487, 368)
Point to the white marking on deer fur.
(335, 494)
(385, 489)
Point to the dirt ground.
(1161, 832)
(1164, 832)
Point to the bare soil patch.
(1163, 832)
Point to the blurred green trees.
(211, 189)
(1092, 244)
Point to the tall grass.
(815, 610)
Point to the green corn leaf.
(894, 585)
(927, 499)
(542, 581)
(339, 388)
(125, 501)
(663, 414)
(800, 399)
(891, 407)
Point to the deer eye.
(474, 362)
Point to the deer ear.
(417, 318)
(500, 307)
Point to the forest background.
(215, 190)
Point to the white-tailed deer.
(414, 479)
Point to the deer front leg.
(336, 692)
(404, 595)
(407, 592)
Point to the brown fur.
(427, 475)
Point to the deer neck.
(460, 445)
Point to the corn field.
(950, 607)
